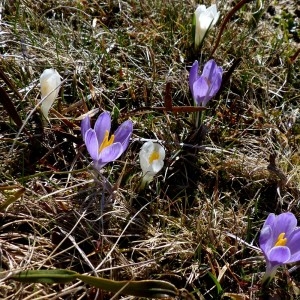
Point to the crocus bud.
(205, 18)
(50, 82)
(152, 157)
(205, 86)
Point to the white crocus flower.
(50, 82)
(152, 157)
(205, 18)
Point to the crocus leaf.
(45, 276)
(143, 288)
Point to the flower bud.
(50, 82)
(205, 18)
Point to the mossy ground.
(217, 183)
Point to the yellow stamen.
(154, 155)
(281, 240)
(106, 142)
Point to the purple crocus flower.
(103, 147)
(206, 85)
(280, 242)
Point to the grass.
(195, 224)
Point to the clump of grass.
(197, 222)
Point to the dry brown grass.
(196, 224)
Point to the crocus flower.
(103, 147)
(206, 85)
(152, 157)
(280, 242)
(50, 82)
(205, 18)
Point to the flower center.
(106, 142)
(154, 155)
(281, 240)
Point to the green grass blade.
(216, 282)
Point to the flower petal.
(161, 150)
(144, 155)
(293, 243)
(209, 69)
(193, 75)
(85, 126)
(200, 91)
(157, 165)
(199, 35)
(205, 22)
(216, 81)
(266, 241)
(200, 9)
(285, 222)
(92, 145)
(216, 18)
(212, 11)
(102, 125)
(123, 133)
(270, 220)
(279, 255)
(111, 153)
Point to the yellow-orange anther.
(106, 142)
(154, 155)
(281, 240)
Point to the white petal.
(199, 10)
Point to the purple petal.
(216, 81)
(111, 153)
(102, 125)
(123, 133)
(200, 90)
(270, 220)
(92, 144)
(279, 255)
(285, 222)
(193, 75)
(209, 69)
(213, 74)
(205, 100)
(85, 126)
(293, 243)
(265, 239)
